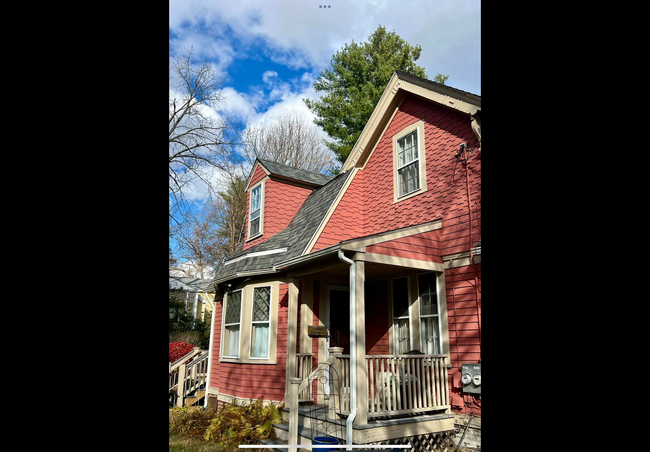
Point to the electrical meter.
(471, 378)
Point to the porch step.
(191, 399)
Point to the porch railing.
(400, 384)
(303, 368)
(188, 379)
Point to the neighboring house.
(196, 294)
(392, 234)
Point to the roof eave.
(397, 88)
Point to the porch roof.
(190, 284)
(288, 243)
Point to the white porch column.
(360, 330)
(292, 335)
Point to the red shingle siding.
(367, 207)
(257, 176)
(281, 202)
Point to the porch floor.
(313, 421)
(319, 411)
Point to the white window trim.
(438, 315)
(261, 217)
(246, 317)
(268, 337)
(223, 329)
(422, 173)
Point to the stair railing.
(186, 377)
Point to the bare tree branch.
(292, 140)
(200, 140)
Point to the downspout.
(353, 351)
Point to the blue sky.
(270, 52)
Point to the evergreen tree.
(356, 81)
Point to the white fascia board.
(259, 253)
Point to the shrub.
(190, 421)
(250, 424)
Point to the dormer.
(275, 192)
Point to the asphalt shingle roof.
(292, 172)
(294, 237)
(189, 284)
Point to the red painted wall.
(464, 339)
(281, 202)
(250, 381)
(367, 206)
(376, 297)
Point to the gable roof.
(190, 284)
(291, 241)
(290, 173)
(399, 85)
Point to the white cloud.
(268, 76)
(300, 35)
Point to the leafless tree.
(200, 140)
(292, 140)
(209, 236)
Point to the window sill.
(409, 195)
(263, 361)
(257, 236)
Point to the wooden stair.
(192, 399)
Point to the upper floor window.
(255, 210)
(409, 163)
(408, 171)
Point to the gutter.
(353, 351)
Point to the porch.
(407, 400)
(397, 384)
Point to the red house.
(376, 272)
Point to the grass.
(179, 443)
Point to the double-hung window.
(409, 162)
(232, 323)
(429, 316)
(260, 322)
(254, 226)
(401, 320)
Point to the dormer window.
(255, 212)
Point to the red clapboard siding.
(255, 380)
(377, 318)
(216, 345)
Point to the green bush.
(230, 426)
(249, 424)
(189, 421)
